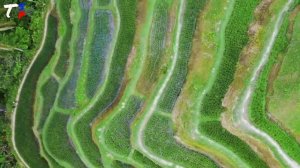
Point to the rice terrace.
(150, 83)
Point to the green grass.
(215, 131)
(144, 160)
(81, 127)
(159, 137)
(25, 140)
(57, 142)
(64, 17)
(258, 105)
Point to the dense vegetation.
(110, 82)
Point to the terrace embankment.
(117, 119)
(197, 122)
(152, 130)
(246, 94)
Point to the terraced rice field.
(162, 83)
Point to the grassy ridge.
(120, 127)
(236, 38)
(81, 127)
(24, 137)
(63, 8)
(126, 110)
(48, 93)
(258, 105)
